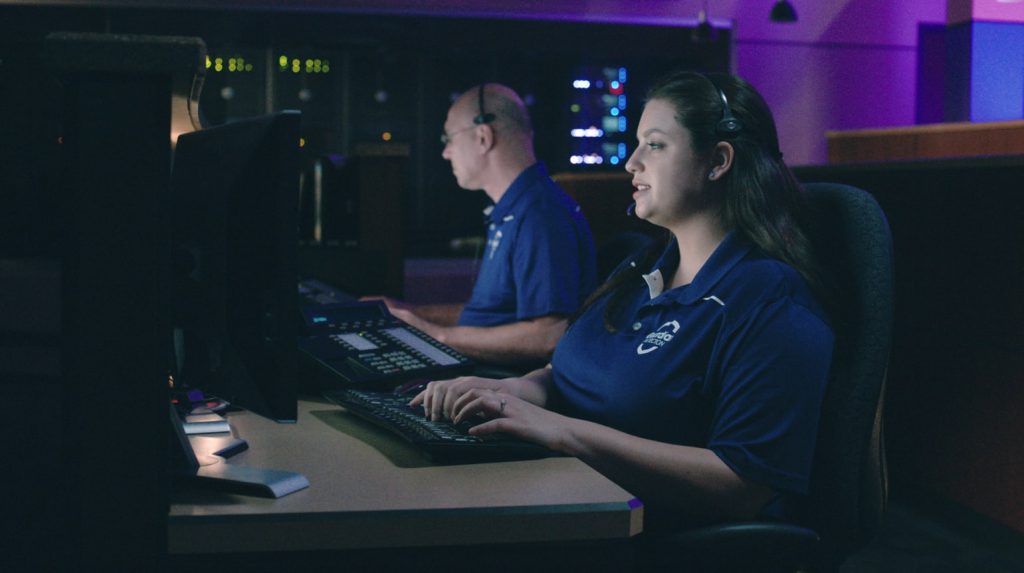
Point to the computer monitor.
(234, 198)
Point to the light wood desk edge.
(359, 499)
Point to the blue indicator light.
(622, 75)
(622, 150)
(622, 102)
(319, 319)
(614, 160)
(614, 111)
(622, 123)
(615, 84)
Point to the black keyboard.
(443, 442)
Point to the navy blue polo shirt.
(539, 255)
(736, 362)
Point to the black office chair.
(848, 490)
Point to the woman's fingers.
(431, 398)
(437, 399)
(489, 403)
(440, 398)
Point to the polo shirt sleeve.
(546, 264)
(775, 370)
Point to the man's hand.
(391, 303)
(407, 313)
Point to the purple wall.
(843, 65)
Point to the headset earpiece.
(729, 125)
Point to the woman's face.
(668, 177)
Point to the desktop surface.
(369, 489)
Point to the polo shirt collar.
(727, 255)
(500, 211)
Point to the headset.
(483, 117)
(729, 125)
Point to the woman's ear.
(721, 159)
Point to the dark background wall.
(374, 74)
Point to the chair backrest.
(851, 237)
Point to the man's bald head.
(489, 154)
(503, 102)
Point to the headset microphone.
(631, 209)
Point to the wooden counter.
(939, 140)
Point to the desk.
(366, 492)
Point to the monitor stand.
(250, 481)
(223, 476)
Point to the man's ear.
(484, 134)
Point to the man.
(537, 265)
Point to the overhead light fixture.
(783, 11)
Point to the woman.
(694, 377)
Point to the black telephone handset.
(365, 345)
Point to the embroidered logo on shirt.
(658, 338)
(495, 243)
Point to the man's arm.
(439, 314)
(514, 344)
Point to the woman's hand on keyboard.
(438, 397)
(511, 416)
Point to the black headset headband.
(483, 117)
(729, 125)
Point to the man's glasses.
(447, 137)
